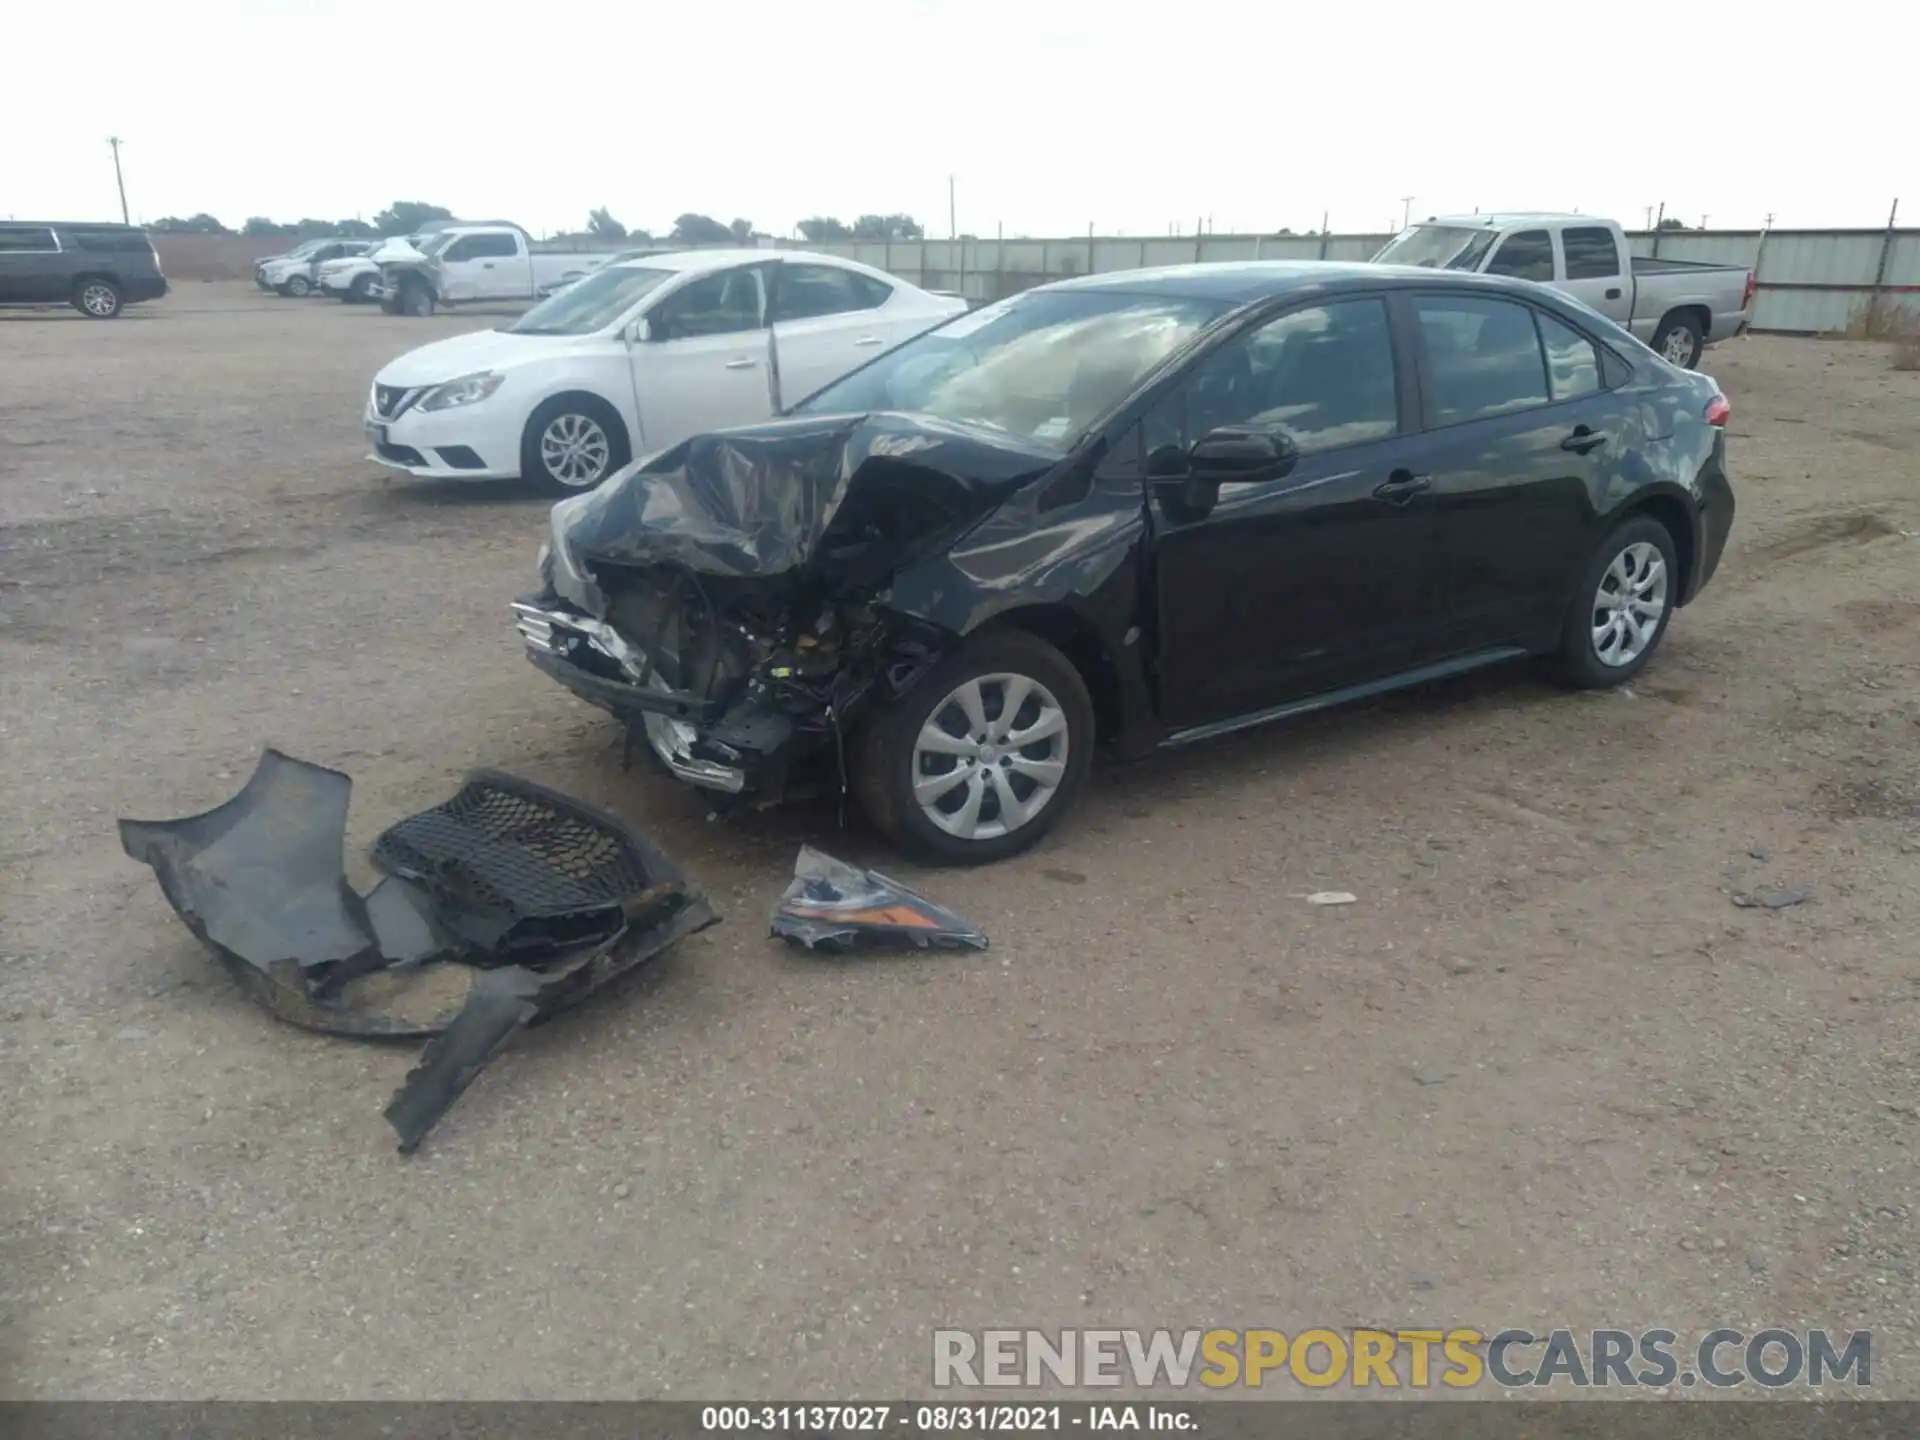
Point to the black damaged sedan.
(1131, 511)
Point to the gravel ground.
(1543, 1073)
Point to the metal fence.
(1808, 282)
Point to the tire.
(1679, 340)
(389, 304)
(888, 757)
(416, 300)
(299, 287)
(360, 291)
(1619, 565)
(97, 298)
(571, 421)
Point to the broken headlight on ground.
(501, 907)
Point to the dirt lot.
(1544, 1072)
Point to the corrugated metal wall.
(1809, 281)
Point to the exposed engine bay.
(727, 599)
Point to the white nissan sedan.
(637, 357)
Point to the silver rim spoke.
(1629, 605)
(991, 756)
(575, 450)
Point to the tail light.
(1719, 411)
(1746, 300)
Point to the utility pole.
(1649, 224)
(953, 214)
(1406, 209)
(118, 179)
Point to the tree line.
(404, 217)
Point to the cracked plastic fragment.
(834, 906)
(506, 880)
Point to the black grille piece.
(401, 454)
(461, 457)
(389, 400)
(518, 868)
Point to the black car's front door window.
(1309, 581)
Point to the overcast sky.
(1050, 114)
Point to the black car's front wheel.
(1621, 609)
(984, 756)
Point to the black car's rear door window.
(1483, 358)
(1573, 361)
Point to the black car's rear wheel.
(97, 299)
(1621, 608)
(984, 756)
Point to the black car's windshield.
(591, 303)
(1438, 247)
(1043, 366)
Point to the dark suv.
(94, 268)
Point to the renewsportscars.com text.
(1414, 1358)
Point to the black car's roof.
(1243, 282)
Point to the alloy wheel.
(1679, 347)
(99, 300)
(990, 757)
(575, 450)
(1629, 605)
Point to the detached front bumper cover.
(501, 907)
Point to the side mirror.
(640, 332)
(1187, 484)
(1240, 452)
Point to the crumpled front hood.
(398, 252)
(846, 498)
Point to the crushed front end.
(725, 599)
(754, 706)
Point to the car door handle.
(741, 364)
(1614, 293)
(868, 340)
(1583, 439)
(1401, 486)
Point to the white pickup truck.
(1676, 306)
(467, 264)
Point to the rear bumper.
(1716, 519)
(1728, 324)
(136, 288)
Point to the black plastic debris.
(834, 906)
(500, 908)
